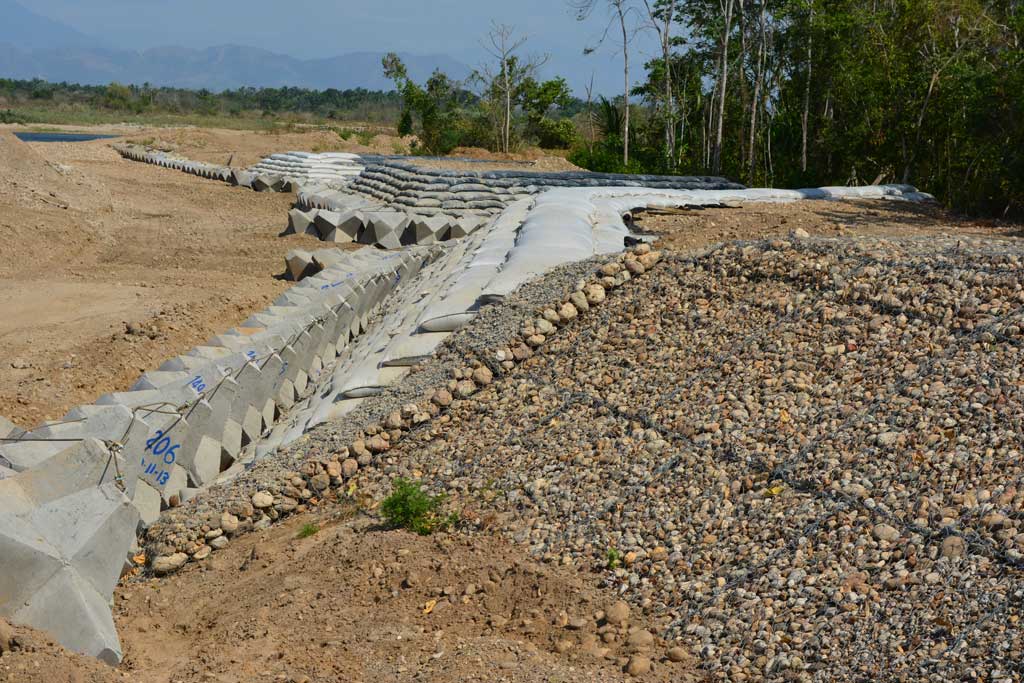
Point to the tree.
(435, 104)
(662, 14)
(503, 82)
(538, 101)
(621, 13)
(723, 81)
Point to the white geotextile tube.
(633, 197)
(559, 229)
(459, 304)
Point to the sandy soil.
(689, 230)
(91, 244)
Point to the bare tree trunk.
(716, 160)
(508, 105)
(755, 101)
(742, 21)
(708, 122)
(670, 105)
(807, 92)
(621, 10)
(664, 29)
(920, 122)
(503, 81)
(590, 114)
(682, 127)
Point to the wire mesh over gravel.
(804, 456)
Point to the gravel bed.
(803, 456)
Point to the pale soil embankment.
(91, 245)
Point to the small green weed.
(308, 530)
(409, 507)
(614, 558)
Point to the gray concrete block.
(64, 532)
(263, 183)
(466, 225)
(242, 178)
(148, 502)
(9, 430)
(301, 222)
(381, 225)
(299, 264)
(431, 229)
(25, 455)
(325, 258)
(340, 226)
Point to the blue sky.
(321, 28)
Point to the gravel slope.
(806, 455)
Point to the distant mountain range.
(33, 46)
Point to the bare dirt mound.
(694, 229)
(29, 656)
(354, 602)
(531, 159)
(29, 180)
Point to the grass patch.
(613, 559)
(308, 530)
(410, 507)
(363, 137)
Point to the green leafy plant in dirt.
(308, 530)
(613, 559)
(410, 507)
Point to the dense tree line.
(357, 104)
(810, 92)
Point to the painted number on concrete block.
(167, 452)
(198, 384)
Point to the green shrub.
(409, 507)
(11, 116)
(605, 157)
(308, 530)
(556, 134)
